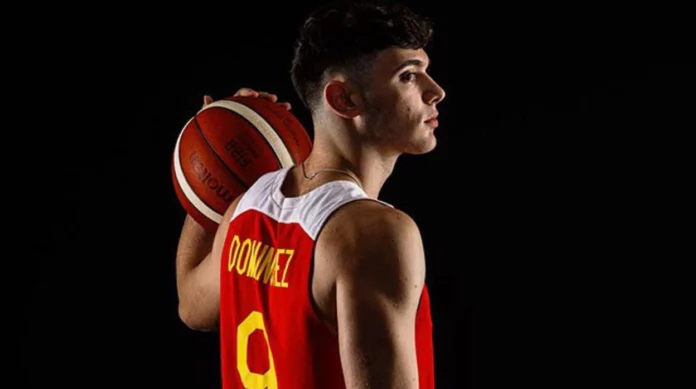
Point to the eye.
(408, 76)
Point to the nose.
(434, 94)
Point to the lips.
(432, 120)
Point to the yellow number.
(250, 379)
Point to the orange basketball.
(226, 146)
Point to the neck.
(364, 162)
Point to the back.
(271, 335)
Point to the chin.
(422, 146)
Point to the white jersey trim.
(310, 210)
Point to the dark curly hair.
(346, 36)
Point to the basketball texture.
(226, 146)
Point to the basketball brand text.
(257, 260)
(240, 153)
(207, 178)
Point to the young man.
(312, 281)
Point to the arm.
(198, 272)
(378, 289)
(197, 265)
(196, 276)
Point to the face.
(400, 102)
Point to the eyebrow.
(414, 61)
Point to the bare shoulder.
(371, 221)
(376, 216)
(379, 272)
(376, 243)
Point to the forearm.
(195, 244)
(198, 296)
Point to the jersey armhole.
(318, 314)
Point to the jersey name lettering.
(257, 260)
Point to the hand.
(252, 93)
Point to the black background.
(552, 142)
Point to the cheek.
(408, 114)
(392, 112)
(408, 108)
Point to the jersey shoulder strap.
(310, 210)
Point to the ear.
(342, 99)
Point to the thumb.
(207, 100)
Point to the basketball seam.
(278, 145)
(188, 181)
(268, 143)
(193, 205)
(281, 136)
(198, 127)
(195, 200)
(297, 131)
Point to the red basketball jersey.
(270, 335)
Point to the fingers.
(274, 99)
(248, 92)
(264, 95)
(285, 105)
(268, 96)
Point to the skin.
(370, 265)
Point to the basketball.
(226, 146)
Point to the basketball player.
(311, 280)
